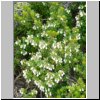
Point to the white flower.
(70, 38)
(64, 34)
(43, 34)
(25, 53)
(38, 55)
(77, 18)
(28, 64)
(81, 13)
(78, 37)
(21, 91)
(82, 89)
(60, 60)
(36, 82)
(28, 80)
(16, 42)
(60, 31)
(74, 69)
(61, 19)
(70, 50)
(38, 73)
(61, 72)
(57, 80)
(44, 27)
(50, 18)
(65, 60)
(43, 3)
(50, 94)
(33, 43)
(76, 49)
(23, 21)
(23, 46)
(50, 83)
(34, 92)
(22, 62)
(41, 66)
(77, 23)
(21, 52)
(57, 45)
(65, 48)
(70, 54)
(34, 27)
(25, 73)
(65, 55)
(68, 11)
(37, 15)
(34, 71)
(69, 61)
(42, 45)
(42, 88)
(29, 37)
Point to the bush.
(50, 49)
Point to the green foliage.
(50, 48)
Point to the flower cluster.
(39, 85)
(42, 45)
(51, 49)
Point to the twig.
(17, 77)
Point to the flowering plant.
(50, 54)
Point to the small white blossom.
(61, 72)
(28, 80)
(50, 18)
(61, 19)
(44, 3)
(68, 11)
(77, 23)
(74, 69)
(76, 49)
(57, 45)
(33, 43)
(57, 80)
(82, 89)
(77, 18)
(42, 45)
(70, 38)
(64, 34)
(65, 60)
(42, 88)
(16, 42)
(28, 64)
(50, 83)
(66, 47)
(21, 91)
(81, 13)
(21, 62)
(25, 53)
(38, 55)
(34, 27)
(70, 54)
(23, 46)
(69, 61)
(25, 73)
(78, 37)
(37, 15)
(23, 21)
(65, 55)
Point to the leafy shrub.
(51, 54)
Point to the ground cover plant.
(50, 49)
